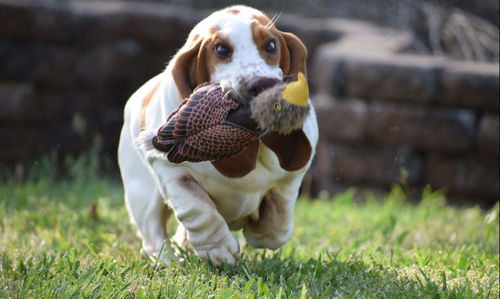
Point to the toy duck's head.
(282, 108)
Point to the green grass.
(69, 236)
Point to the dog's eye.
(271, 46)
(222, 51)
(277, 106)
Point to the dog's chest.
(237, 198)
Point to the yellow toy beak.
(297, 92)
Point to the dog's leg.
(145, 205)
(150, 216)
(207, 231)
(272, 225)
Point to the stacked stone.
(386, 115)
(77, 61)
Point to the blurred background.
(407, 92)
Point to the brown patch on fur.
(189, 184)
(195, 38)
(144, 106)
(213, 29)
(211, 57)
(233, 11)
(182, 70)
(298, 54)
(293, 150)
(240, 165)
(195, 65)
(263, 20)
(272, 215)
(261, 36)
(293, 53)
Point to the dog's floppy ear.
(190, 68)
(293, 150)
(293, 55)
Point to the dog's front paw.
(164, 255)
(227, 250)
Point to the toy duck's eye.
(270, 46)
(277, 106)
(222, 51)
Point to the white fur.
(213, 204)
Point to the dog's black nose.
(257, 84)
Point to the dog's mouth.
(252, 87)
(256, 85)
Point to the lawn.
(69, 236)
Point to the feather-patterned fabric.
(198, 129)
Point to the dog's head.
(241, 48)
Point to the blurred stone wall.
(385, 114)
(66, 70)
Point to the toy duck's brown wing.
(198, 131)
(167, 131)
(217, 142)
(206, 108)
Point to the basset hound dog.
(256, 190)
